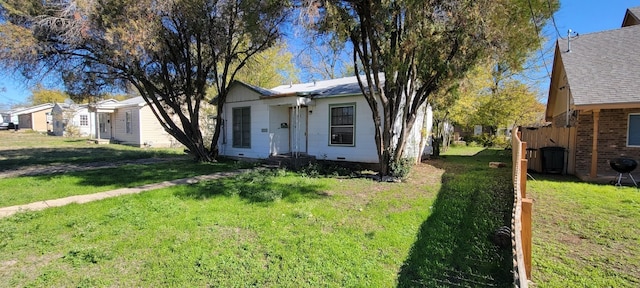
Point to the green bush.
(486, 140)
(401, 168)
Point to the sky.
(581, 16)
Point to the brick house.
(595, 87)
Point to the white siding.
(260, 136)
(151, 132)
(318, 131)
(240, 93)
(119, 126)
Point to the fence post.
(523, 170)
(527, 206)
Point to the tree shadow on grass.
(262, 186)
(133, 175)
(453, 246)
(18, 158)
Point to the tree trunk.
(215, 150)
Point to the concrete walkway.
(41, 205)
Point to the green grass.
(274, 229)
(585, 235)
(453, 246)
(463, 150)
(27, 189)
(316, 232)
(28, 148)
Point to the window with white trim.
(633, 130)
(342, 124)
(84, 120)
(127, 116)
(241, 127)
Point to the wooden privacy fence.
(521, 217)
(540, 137)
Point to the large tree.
(41, 95)
(170, 51)
(270, 68)
(406, 51)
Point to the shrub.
(72, 131)
(400, 168)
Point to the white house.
(330, 120)
(130, 122)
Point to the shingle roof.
(325, 88)
(257, 89)
(604, 67)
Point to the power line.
(553, 19)
(535, 24)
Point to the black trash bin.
(552, 159)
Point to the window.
(84, 120)
(633, 130)
(342, 125)
(128, 122)
(242, 127)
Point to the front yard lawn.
(584, 235)
(27, 189)
(276, 229)
(23, 149)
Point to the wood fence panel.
(540, 137)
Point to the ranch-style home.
(76, 115)
(129, 122)
(36, 118)
(595, 88)
(328, 120)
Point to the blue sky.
(582, 16)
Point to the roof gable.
(631, 17)
(604, 67)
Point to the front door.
(104, 125)
(298, 130)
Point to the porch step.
(101, 141)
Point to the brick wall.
(612, 140)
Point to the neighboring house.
(595, 87)
(69, 114)
(329, 120)
(130, 122)
(36, 118)
(5, 116)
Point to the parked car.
(8, 126)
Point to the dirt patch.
(64, 168)
(5, 264)
(570, 239)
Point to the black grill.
(623, 165)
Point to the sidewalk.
(80, 199)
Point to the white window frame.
(352, 125)
(127, 122)
(636, 130)
(84, 120)
(242, 128)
